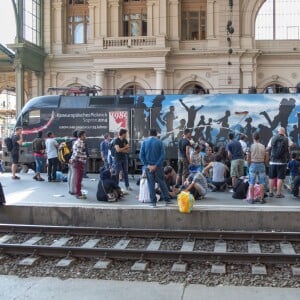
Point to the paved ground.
(30, 192)
(14, 288)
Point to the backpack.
(38, 145)
(112, 148)
(240, 189)
(64, 152)
(279, 149)
(8, 143)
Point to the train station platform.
(15, 288)
(49, 203)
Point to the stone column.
(19, 70)
(173, 20)
(100, 80)
(40, 83)
(162, 17)
(103, 18)
(58, 26)
(160, 80)
(210, 23)
(114, 20)
(92, 18)
(150, 31)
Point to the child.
(294, 166)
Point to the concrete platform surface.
(14, 288)
(32, 202)
(30, 192)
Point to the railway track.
(27, 240)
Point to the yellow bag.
(185, 202)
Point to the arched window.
(78, 21)
(133, 89)
(276, 88)
(193, 88)
(278, 20)
(193, 19)
(135, 17)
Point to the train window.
(74, 102)
(32, 117)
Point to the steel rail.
(142, 254)
(151, 233)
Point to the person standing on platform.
(152, 155)
(257, 170)
(17, 141)
(71, 173)
(104, 148)
(236, 156)
(39, 148)
(121, 157)
(78, 159)
(184, 160)
(51, 150)
(279, 152)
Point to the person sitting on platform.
(170, 179)
(219, 171)
(108, 188)
(196, 158)
(196, 184)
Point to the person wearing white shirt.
(51, 151)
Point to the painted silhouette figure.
(224, 128)
(281, 119)
(155, 119)
(208, 131)
(192, 111)
(169, 118)
(140, 117)
(181, 127)
(200, 128)
(249, 130)
(265, 134)
(294, 134)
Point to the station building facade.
(146, 46)
(173, 45)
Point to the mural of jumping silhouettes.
(156, 111)
(281, 119)
(140, 118)
(224, 128)
(169, 118)
(192, 111)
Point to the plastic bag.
(185, 202)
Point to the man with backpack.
(38, 148)
(15, 142)
(279, 152)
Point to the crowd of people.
(202, 166)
